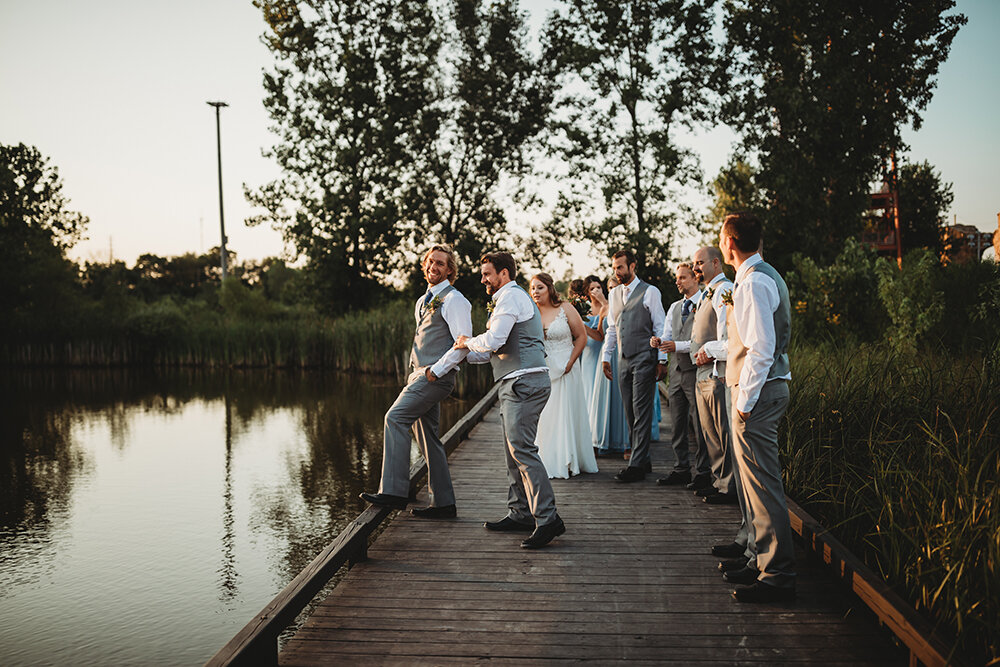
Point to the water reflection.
(146, 516)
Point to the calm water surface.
(146, 516)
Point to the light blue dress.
(607, 414)
(590, 359)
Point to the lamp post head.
(217, 104)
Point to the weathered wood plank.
(632, 579)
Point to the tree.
(822, 91)
(351, 97)
(923, 201)
(734, 189)
(495, 101)
(36, 229)
(633, 74)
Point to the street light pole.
(222, 217)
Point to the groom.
(442, 315)
(514, 344)
(635, 314)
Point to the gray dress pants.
(530, 498)
(418, 407)
(637, 381)
(686, 424)
(714, 419)
(755, 450)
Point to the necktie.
(686, 310)
(625, 293)
(427, 302)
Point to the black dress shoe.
(647, 466)
(385, 500)
(706, 492)
(700, 482)
(721, 499)
(731, 550)
(733, 564)
(761, 592)
(745, 576)
(508, 525)
(631, 474)
(544, 534)
(675, 478)
(443, 512)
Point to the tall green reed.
(899, 455)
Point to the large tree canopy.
(822, 93)
(633, 74)
(36, 229)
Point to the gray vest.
(782, 329)
(433, 337)
(681, 361)
(633, 323)
(705, 330)
(525, 346)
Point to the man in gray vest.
(757, 372)
(709, 341)
(635, 314)
(686, 427)
(514, 345)
(442, 316)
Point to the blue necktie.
(686, 310)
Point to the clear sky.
(114, 92)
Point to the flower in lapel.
(434, 304)
(727, 297)
(709, 293)
(490, 305)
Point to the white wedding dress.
(564, 441)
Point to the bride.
(564, 441)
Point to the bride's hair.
(546, 280)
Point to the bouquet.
(582, 306)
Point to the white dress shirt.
(717, 349)
(510, 305)
(653, 303)
(457, 313)
(755, 301)
(683, 346)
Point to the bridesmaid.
(607, 413)
(591, 358)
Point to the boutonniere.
(709, 293)
(490, 305)
(727, 297)
(434, 304)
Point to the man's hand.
(607, 369)
(667, 346)
(460, 343)
(430, 375)
(654, 342)
(701, 358)
(661, 371)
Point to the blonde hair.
(452, 264)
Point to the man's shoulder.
(455, 295)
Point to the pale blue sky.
(114, 92)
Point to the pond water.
(146, 516)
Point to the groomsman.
(442, 315)
(635, 314)
(514, 345)
(757, 372)
(676, 341)
(709, 341)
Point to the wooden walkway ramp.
(630, 580)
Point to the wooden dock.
(632, 579)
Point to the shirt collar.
(437, 289)
(496, 295)
(750, 262)
(632, 285)
(719, 277)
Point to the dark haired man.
(635, 314)
(514, 345)
(757, 371)
(442, 315)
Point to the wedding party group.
(573, 389)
